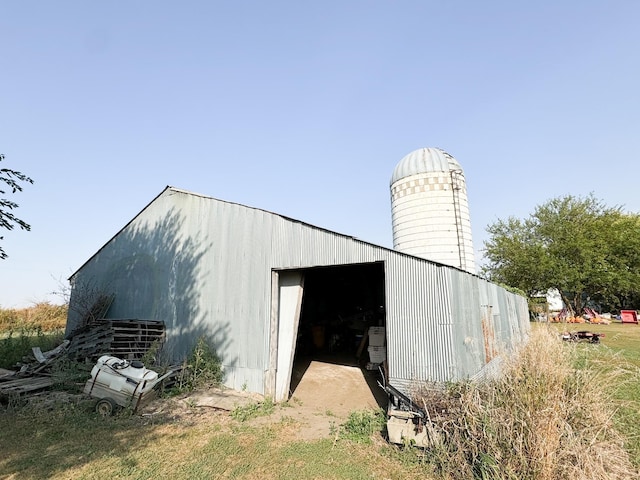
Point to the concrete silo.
(429, 209)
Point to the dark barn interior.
(339, 304)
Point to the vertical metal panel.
(419, 321)
(290, 290)
(469, 314)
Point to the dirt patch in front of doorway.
(324, 397)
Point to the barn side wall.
(205, 266)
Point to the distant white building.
(554, 300)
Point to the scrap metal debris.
(582, 335)
(127, 339)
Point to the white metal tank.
(430, 210)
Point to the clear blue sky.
(304, 108)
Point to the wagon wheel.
(105, 407)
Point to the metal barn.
(259, 285)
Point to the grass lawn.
(67, 440)
(617, 356)
(76, 444)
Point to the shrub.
(243, 413)
(202, 368)
(360, 425)
(69, 375)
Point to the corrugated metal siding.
(469, 312)
(419, 321)
(204, 267)
(297, 245)
(207, 272)
(447, 327)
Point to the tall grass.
(618, 358)
(44, 316)
(542, 420)
(15, 346)
(41, 325)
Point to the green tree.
(10, 180)
(586, 250)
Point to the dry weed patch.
(543, 420)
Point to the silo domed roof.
(424, 160)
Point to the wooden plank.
(25, 385)
(6, 375)
(121, 335)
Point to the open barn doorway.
(336, 305)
